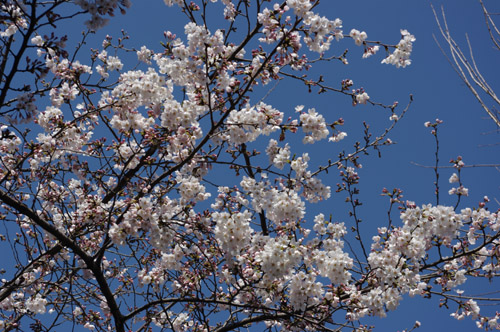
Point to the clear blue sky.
(437, 91)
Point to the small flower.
(463, 191)
(338, 137)
(362, 98)
(370, 50)
(38, 40)
(359, 37)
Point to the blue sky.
(437, 92)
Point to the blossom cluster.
(98, 8)
(247, 124)
(14, 12)
(313, 124)
(401, 55)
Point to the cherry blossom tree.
(116, 206)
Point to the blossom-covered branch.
(169, 194)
